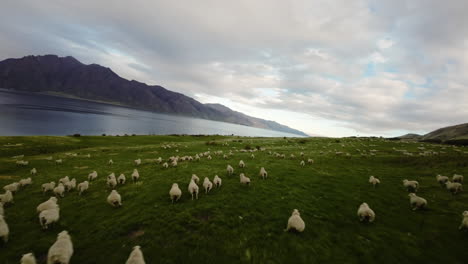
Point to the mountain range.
(68, 76)
(457, 134)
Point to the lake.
(23, 114)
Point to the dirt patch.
(81, 168)
(7, 177)
(136, 233)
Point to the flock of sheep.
(62, 250)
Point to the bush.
(103, 134)
(76, 135)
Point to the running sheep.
(175, 193)
(110, 162)
(82, 186)
(111, 181)
(457, 178)
(241, 164)
(59, 161)
(464, 223)
(365, 213)
(193, 189)
(121, 179)
(60, 190)
(310, 161)
(411, 186)
(217, 181)
(70, 185)
(135, 175)
(28, 259)
(136, 256)
(24, 182)
(62, 250)
(92, 176)
(12, 187)
(4, 230)
(229, 169)
(49, 216)
(442, 179)
(244, 179)
(48, 187)
(49, 204)
(195, 178)
(137, 162)
(7, 197)
(165, 165)
(114, 199)
(417, 202)
(374, 181)
(302, 163)
(207, 184)
(454, 187)
(295, 222)
(263, 173)
(33, 171)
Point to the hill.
(450, 133)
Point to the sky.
(330, 68)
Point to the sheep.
(24, 182)
(197, 157)
(33, 171)
(411, 186)
(457, 178)
(174, 163)
(136, 257)
(70, 185)
(59, 161)
(4, 230)
(114, 198)
(7, 197)
(22, 163)
(110, 162)
(209, 157)
(374, 181)
(241, 164)
(464, 223)
(292, 156)
(175, 193)
(229, 169)
(310, 161)
(64, 180)
(48, 187)
(244, 179)
(159, 160)
(111, 180)
(28, 259)
(193, 188)
(83, 186)
(442, 179)
(225, 156)
(217, 181)
(417, 202)
(49, 216)
(121, 179)
(137, 162)
(135, 175)
(365, 213)
(62, 250)
(454, 187)
(252, 156)
(295, 222)
(302, 163)
(263, 173)
(60, 190)
(12, 187)
(92, 176)
(49, 204)
(195, 178)
(207, 184)
(165, 165)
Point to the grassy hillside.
(450, 133)
(240, 224)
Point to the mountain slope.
(67, 75)
(456, 132)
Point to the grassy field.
(236, 223)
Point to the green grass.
(239, 224)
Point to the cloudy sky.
(334, 68)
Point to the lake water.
(23, 114)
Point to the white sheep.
(28, 259)
(241, 164)
(110, 162)
(114, 198)
(263, 173)
(442, 179)
(229, 169)
(217, 181)
(193, 188)
(365, 213)
(411, 186)
(252, 156)
(165, 165)
(209, 157)
(62, 250)
(295, 222)
(4, 230)
(7, 197)
(83, 186)
(374, 181)
(302, 163)
(207, 184)
(137, 162)
(92, 176)
(175, 193)
(70, 185)
(121, 179)
(310, 161)
(464, 223)
(159, 160)
(49, 204)
(12, 187)
(60, 190)
(417, 202)
(454, 187)
(135, 175)
(24, 182)
(59, 161)
(48, 187)
(244, 179)
(136, 257)
(111, 181)
(174, 163)
(49, 216)
(33, 171)
(457, 178)
(195, 178)
(64, 180)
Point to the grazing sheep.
(136, 257)
(62, 250)
(22, 162)
(111, 181)
(12, 187)
(209, 157)
(83, 186)
(244, 179)
(135, 175)
(33, 171)
(175, 193)
(457, 178)
(207, 184)
(217, 181)
(374, 181)
(417, 202)
(241, 164)
(464, 223)
(121, 179)
(454, 187)
(442, 179)
(70, 185)
(295, 222)
(92, 176)
(195, 178)
(7, 197)
(64, 180)
(48, 187)
(165, 165)
(59, 161)
(229, 169)
(193, 188)
(4, 230)
(49, 216)
(365, 213)
(174, 163)
(310, 161)
(110, 162)
(60, 190)
(302, 163)
(28, 259)
(137, 162)
(411, 186)
(263, 173)
(24, 182)
(49, 204)
(292, 156)
(114, 198)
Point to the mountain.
(410, 136)
(67, 75)
(448, 134)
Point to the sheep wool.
(263, 173)
(114, 198)
(59, 161)
(24, 182)
(193, 189)
(442, 179)
(411, 186)
(121, 179)
(241, 164)
(457, 178)
(207, 184)
(217, 181)
(195, 178)
(60, 190)
(454, 187)
(12, 187)
(82, 186)
(136, 256)
(175, 193)
(28, 259)
(49, 216)
(244, 179)
(49, 204)
(374, 181)
(62, 250)
(48, 187)
(111, 181)
(135, 175)
(464, 223)
(137, 162)
(310, 161)
(92, 176)
(4, 230)
(417, 202)
(302, 163)
(295, 222)
(365, 213)
(110, 162)
(165, 165)
(7, 197)
(230, 170)
(33, 171)
(2, 211)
